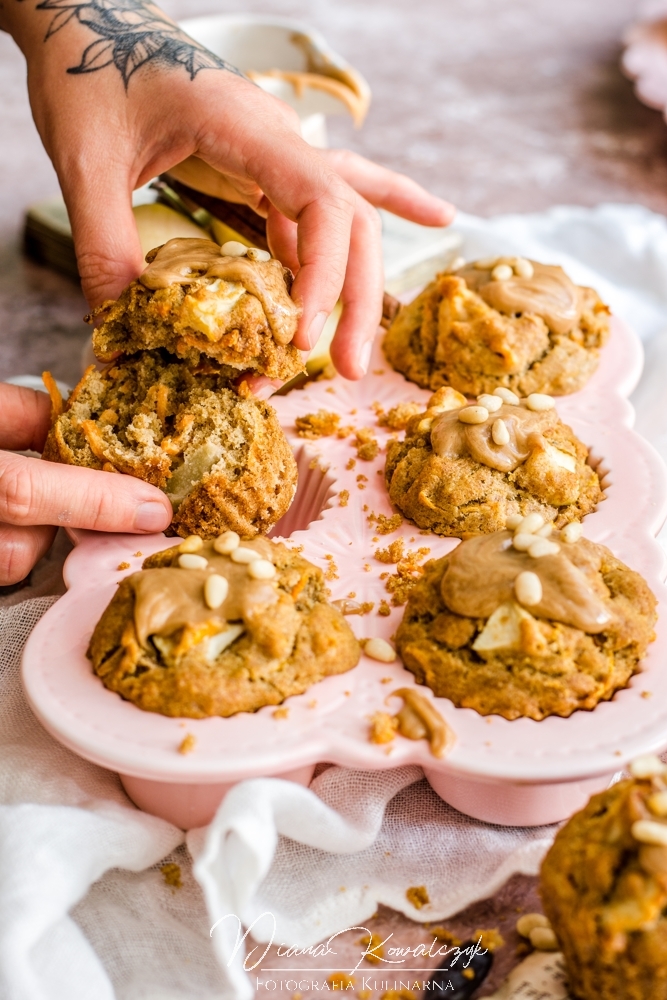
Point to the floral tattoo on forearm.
(131, 34)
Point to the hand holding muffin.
(119, 94)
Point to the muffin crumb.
(172, 875)
(418, 896)
(187, 744)
(317, 425)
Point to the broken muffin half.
(221, 458)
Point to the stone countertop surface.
(511, 106)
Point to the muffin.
(527, 625)
(216, 628)
(604, 888)
(463, 470)
(506, 322)
(221, 458)
(195, 300)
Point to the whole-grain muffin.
(503, 322)
(194, 300)
(604, 889)
(221, 627)
(527, 625)
(463, 470)
(221, 458)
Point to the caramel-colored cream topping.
(480, 574)
(183, 261)
(169, 598)
(549, 293)
(452, 439)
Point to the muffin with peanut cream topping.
(519, 624)
(507, 322)
(604, 888)
(465, 469)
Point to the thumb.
(36, 492)
(106, 241)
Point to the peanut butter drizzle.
(549, 294)
(420, 719)
(301, 80)
(452, 439)
(481, 571)
(168, 598)
(182, 261)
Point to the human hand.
(36, 497)
(120, 94)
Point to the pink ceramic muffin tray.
(515, 773)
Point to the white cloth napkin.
(84, 909)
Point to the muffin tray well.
(515, 773)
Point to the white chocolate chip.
(503, 629)
(507, 396)
(226, 543)
(545, 530)
(425, 425)
(502, 272)
(499, 432)
(261, 569)
(232, 248)
(485, 263)
(380, 649)
(647, 766)
(216, 589)
(513, 521)
(192, 543)
(572, 532)
(542, 547)
(657, 803)
(254, 253)
(221, 640)
(561, 459)
(189, 561)
(528, 589)
(529, 921)
(473, 415)
(530, 524)
(492, 403)
(539, 401)
(243, 555)
(543, 939)
(648, 831)
(457, 264)
(523, 268)
(522, 541)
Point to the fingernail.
(266, 390)
(365, 356)
(151, 516)
(315, 329)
